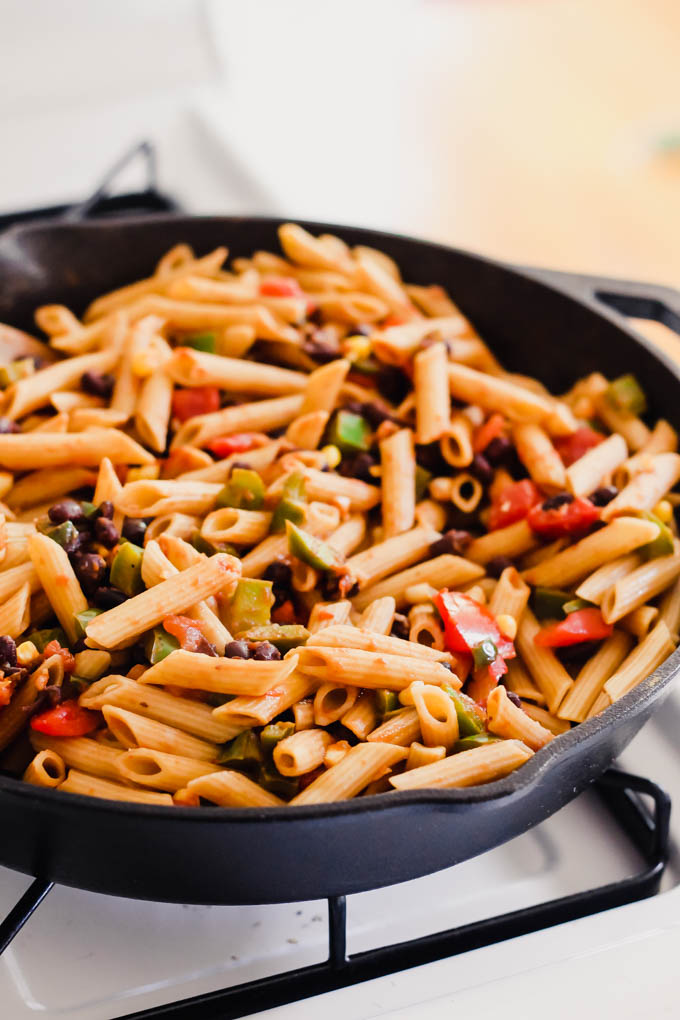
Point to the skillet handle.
(627, 297)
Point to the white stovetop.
(88, 957)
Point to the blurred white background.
(543, 131)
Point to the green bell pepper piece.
(366, 366)
(484, 654)
(470, 719)
(126, 569)
(283, 636)
(244, 490)
(63, 534)
(386, 702)
(548, 603)
(89, 509)
(42, 638)
(158, 644)
(626, 394)
(310, 549)
(273, 733)
(202, 545)
(251, 605)
(202, 342)
(82, 620)
(423, 479)
(474, 740)
(574, 605)
(662, 545)
(292, 505)
(15, 371)
(281, 786)
(349, 432)
(243, 753)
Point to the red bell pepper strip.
(568, 519)
(467, 625)
(490, 430)
(513, 504)
(190, 402)
(66, 720)
(571, 448)
(582, 625)
(239, 442)
(281, 286)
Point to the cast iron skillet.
(554, 326)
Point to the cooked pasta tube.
(669, 610)
(271, 548)
(545, 668)
(140, 613)
(397, 457)
(436, 715)
(605, 577)
(35, 391)
(177, 524)
(80, 753)
(358, 668)
(199, 315)
(441, 572)
(14, 716)
(323, 386)
(327, 614)
(520, 683)
(59, 582)
(15, 613)
(456, 442)
(640, 621)
(639, 586)
(510, 596)
(183, 713)
(468, 768)
(419, 755)
(641, 662)
(259, 458)
(647, 486)
(425, 628)
(241, 290)
(512, 541)
(303, 713)
(340, 637)
(27, 451)
(550, 722)
(401, 728)
(241, 527)
(92, 786)
(393, 554)
(327, 487)
(433, 403)
(397, 344)
(137, 731)
(348, 535)
(361, 764)
(159, 770)
(46, 769)
(232, 789)
(432, 300)
(302, 752)
(260, 416)
(258, 711)
(507, 720)
(108, 489)
(632, 428)
(539, 456)
(362, 716)
(619, 537)
(153, 409)
(466, 492)
(332, 701)
(151, 497)
(196, 368)
(379, 616)
(50, 484)
(593, 675)
(196, 671)
(590, 470)
(494, 394)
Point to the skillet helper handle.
(627, 297)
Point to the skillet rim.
(516, 783)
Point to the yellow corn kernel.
(375, 470)
(27, 653)
(6, 483)
(663, 510)
(507, 625)
(137, 474)
(357, 347)
(144, 363)
(332, 455)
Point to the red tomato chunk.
(513, 504)
(571, 518)
(65, 720)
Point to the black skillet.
(555, 326)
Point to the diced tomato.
(568, 519)
(281, 286)
(240, 442)
(481, 685)
(513, 504)
(571, 448)
(66, 720)
(193, 401)
(6, 689)
(187, 631)
(491, 429)
(467, 624)
(285, 613)
(54, 648)
(581, 625)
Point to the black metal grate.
(620, 793)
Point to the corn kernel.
(138, 474)
(507, 625)
(27, 653)
(356, 348)
(332, 455)
(144, 363)
(663, 510)
(375, 471)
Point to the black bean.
(134, 529)
(266, 651)
(514, 698)
(454, 541)
(575, 654)
(108, 598)
(481, 469)
(90, 570)
(106, 532)
(74, 543)
(8, 651)
(204, 646)
(392, 383)
(400, 626)
(237, 650)
(554, 502)
(66, 510)
(605, 494)
(8, 426)
(498, 450)
(429, 456)
(360, 467)
(105, 509)
(354, 407)
(100, 384)
(497, 565)
(322, 345)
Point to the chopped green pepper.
(15, 371)
(82, 620)
(202, 342)
(310, 549)
(283, 636)
(386, 701)
(243, 753)
(273, 733)
(291, 506)
(662, 545)
(64, 534)
(474, 740)
(366, 366)
(202, 545)
(42, 638)
(484, 653)
(626, 394)
(158, 644)
(244, 490)
(349, 432)
(281, 786)
(126, 569)
(548, 603)
(470, 719)
(573, 606)
(423, 479)
(89, 509)
(251, 605)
